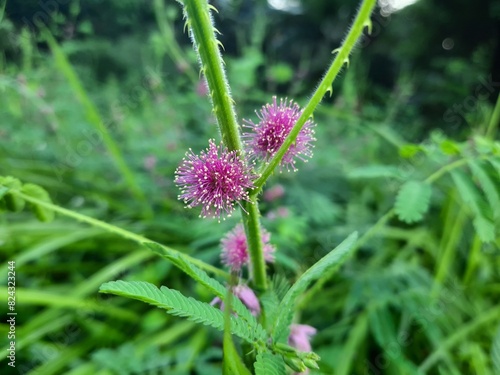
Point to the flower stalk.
(342, 57)
(198, 19)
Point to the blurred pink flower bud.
(150, 162)
(246, 295)
(277, 191)
(300, 336)
(202, 88)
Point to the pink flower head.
(213, 181)
(300, 336)
(276, 122)
(235, 248)
(246, 295)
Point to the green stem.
(200, 23)
(449, 167)
(255, 245)
(199, 20)
(114, 229)
(342, 57)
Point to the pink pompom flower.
(276, 121)
(215, 179)
(235, 248)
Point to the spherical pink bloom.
(274, 193)
(246, 295)
(300, 336)
(276, 122)
(235, 248)
(215, 179)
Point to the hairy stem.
(198, 18)
(197, 13)
(341, 58)
(255, 245)
(114, 229)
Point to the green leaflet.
(412, 201)
(201, 28)
(35, 191)
(211, 284)
(333, 259)
(269, 364)
(12, 202)
(179, 305)
(10, 188)
(471, 196)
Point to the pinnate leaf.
(412, 201)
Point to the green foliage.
(286, 308)
(413, 201)
(269, 364)
(471, 196)
(212, 285)
(37, 192)
(411, 300)
(178, 305)
(10, 188)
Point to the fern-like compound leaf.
(412, 201)
(211, 284)
(175, 303)
(269, 364)
(335, 258)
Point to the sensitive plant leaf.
(485, 229)
(412, 201)
(178, 305)
(37, 192)
(269, 364)
(286, 308)
(487, 185)
(376, 171)
(471, 196)
(211, 284)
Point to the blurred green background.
(419, 94)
